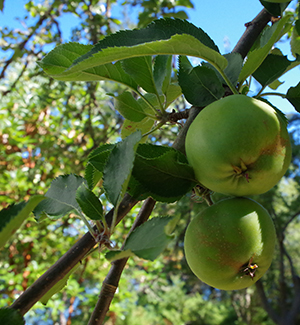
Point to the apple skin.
(238, 146)
(222, 240)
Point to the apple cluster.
(238, 146)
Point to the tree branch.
(22, 45)
(73, 256)
(254, 28)
(111, 282)
(261, 292)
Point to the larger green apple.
(238, 146)
(230, 245)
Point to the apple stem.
(208, 199)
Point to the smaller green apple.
(230, 244)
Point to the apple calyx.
(241, 170)
(249, 269)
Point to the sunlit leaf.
(164, 36)
(257, 56)
(58, 286)
(60, 198)
(12, 218)
(129, 107)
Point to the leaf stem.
(90, 228)
(158, 126)
(115, 214)
(271, 94)
(229, 83)
(156, 112)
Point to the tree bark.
(111, 282)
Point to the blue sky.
(222, 20)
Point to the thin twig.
(22, 45)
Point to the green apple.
(230, 244)
(238, 146)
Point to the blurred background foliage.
(48, 128)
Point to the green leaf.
(92, 175)
(170, 227)
(130, 127)
(96, 163)
(58, 286)
(98, 157)
(1, 5)
(139, 192)
(179, 14)
(271, 69)
(164, 36)
(275, 84)
(200, 85)
(257, 56)
(150, 239)
(172, 93)
(293, 96)
(90, 205)
(162, 72)
(118, 168)
(234, 67)
(295, 39)
(60, 198)
(9, 316)
(12, 218)
(129, 107)
(118, 254)
(163, 172)
(140, 69)
(62, 57)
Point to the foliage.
(99, 122)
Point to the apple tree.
(135, 167)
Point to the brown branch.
(179, 142)
(73, 256)
(111, 282)
(176, 116)
(4, 93)
(254, 28)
